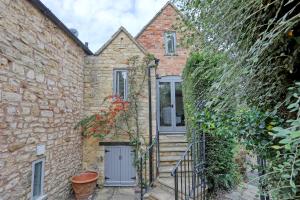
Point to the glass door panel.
(180, 120)
(165, 104)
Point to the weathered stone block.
(30, 74)
(15, 147)
(18, 69)
(11, 96)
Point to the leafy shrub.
(200, 72)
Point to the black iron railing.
(149, 166)
(189, 172)
(262, 165)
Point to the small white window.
(121, 83)
(37, 183)
(170, 43)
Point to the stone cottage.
(49, 80)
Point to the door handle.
(120, 157)
(172, 106)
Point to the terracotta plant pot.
(84, 184)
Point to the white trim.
(42, 179)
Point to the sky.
(97, 20)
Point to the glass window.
(170, 42)
(121, 83)
(37, 179)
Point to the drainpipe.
(152, 64)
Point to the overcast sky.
(97, 20)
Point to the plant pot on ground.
(84, 184)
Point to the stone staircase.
(172, 148)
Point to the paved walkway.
(115, 193)
(246, 192)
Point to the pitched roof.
(157, 14)
(45, 11)
(121, 29)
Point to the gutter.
(46, 12)
(151, 65)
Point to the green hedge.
(201, 70)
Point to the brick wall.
(152, 39)
(41, 95)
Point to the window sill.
(173, 54)
(44, 197)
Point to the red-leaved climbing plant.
(102, 123)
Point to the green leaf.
(276, 147)
(292, 183)
(285, 141)
(295, 134)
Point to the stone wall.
(41, 95)
(99, 84)
(152, 39)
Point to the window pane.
(165, 104)
(180, 120)
(37, 180)
(170, 42)
(121, 84)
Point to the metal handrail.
(190, 177)
(182, 158)
(143, 179)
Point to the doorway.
(171, 117)
(119, 167)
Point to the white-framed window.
(37, 181)
(121, 83)
(170, 42)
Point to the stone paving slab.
(115, 193)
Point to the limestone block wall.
(152, 39)
(98, 84)
(41, 100)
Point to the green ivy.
(245, 94)
(199, 74)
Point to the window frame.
(115, 82)
(166, 33)
(42, 178)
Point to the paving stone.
(116, 193)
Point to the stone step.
(171, 153)
(173, 138)
(170, 158)
(173, 148)
(174, 162)
(173, 144)
(168, 169)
